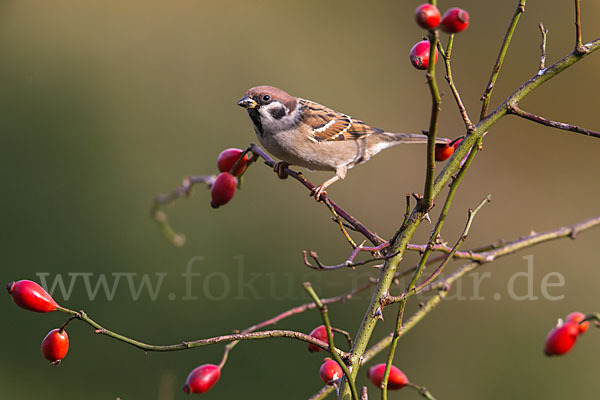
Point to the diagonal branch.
(515, 110)
(356, 224)
(443, 286)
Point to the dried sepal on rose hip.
(202, 378)
(31, 296)
(561, 338)
(222, 190)
(427, 16)
(419, 55)
(228, 158)
(320, 332)
(455, 20)
(330, 371)
(396, 380)
(55, 346)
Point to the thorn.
(426, 217)
(378, 314)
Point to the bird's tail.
(411, 138)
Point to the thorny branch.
(443, 286)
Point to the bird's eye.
(266, 98)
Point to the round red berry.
(202, 378)
(55, 346)
(222, 190)
(330, 371)
(561, 339)
(427, 16)
(31, 296)
(320, 332)
(419, 55)
(577, 317)
(228, 158)
(455, 20)
(397, 379)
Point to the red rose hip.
(223, 189)
(330, 371)
(443, 151)
(55, 346)
(320, 332)
(202, 378)
(455, 20)
(31, 296)
(427, 16)
(228, 158)
(419, 55)
(577, 317)
(561, 339)
(397, 379)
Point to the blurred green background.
(106, 103)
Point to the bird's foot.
(317, 191)
(279, 169)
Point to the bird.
(307, 134)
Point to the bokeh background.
(106, 103)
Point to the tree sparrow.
(301, 132)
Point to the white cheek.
(274, 125)
(273, 108)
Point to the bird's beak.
(247, 102)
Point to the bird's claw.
(317, 191)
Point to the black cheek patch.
(277, 112)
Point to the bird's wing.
(330, 125)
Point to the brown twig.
(349, 263)
(515, 110)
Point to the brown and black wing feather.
(329, 125)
